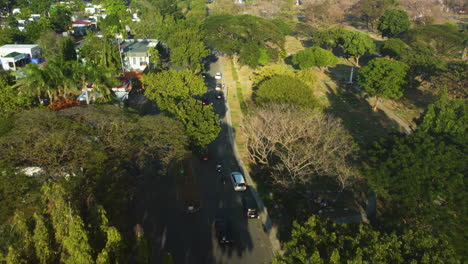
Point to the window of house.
(134, 60)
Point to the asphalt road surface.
(190, 238)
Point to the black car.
(219, 95)
(205, 101)
(223, 231)
(250, 207)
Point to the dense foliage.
(322, 241)
(175, 93)
(285, 89)
(86, 159)
(314, 56)
(244, 36)
(393, 22)
(351, 43)
(383, 77)
(448, 118)
(452, 79)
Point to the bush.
(286, 89)
(314, 56)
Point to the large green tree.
(445, 39)
(393, 48)
(357, 44)
(371, 10)
(322, 241)
(314, 56)
(383, 78)
(186, 45)
(329, 38)
(446, 117)
(60, 18)
(169, 87)
(286, 89)
(12, 100)
(175, 93)
(393, 22)
(101, 51)
(420, 178)
(35, 29)
(243, 35)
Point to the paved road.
(190, 238)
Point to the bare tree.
(324, 13)
(297, 146)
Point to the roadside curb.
(264, 216)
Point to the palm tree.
(34, 80)
(102, 80)
(61, 76)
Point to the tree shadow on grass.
(348, 103)
(415, 97)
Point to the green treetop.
(314, 56)
(383, 77)
(393, 23)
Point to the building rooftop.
(18, 46)
(81, 22)
(137, 46)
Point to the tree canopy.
(452, 79)
(371, 10)
(421, 179)
(393, 48)
(393, 22)
(100, 151)
(285, 89)
(321, 241)
(444, 39)
(383, 78)
(60, 18)
(244, 35)
(446, 117)
(175, 92)
(357, 44)
(314, 56)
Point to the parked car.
(219, 95)
(223, 231)
(205, 101)
(218, 76)
(238, 182)
(250, 207)
(218, 87)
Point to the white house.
(13, 56)
(134, 52)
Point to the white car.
(238, 182)
(218, 76)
